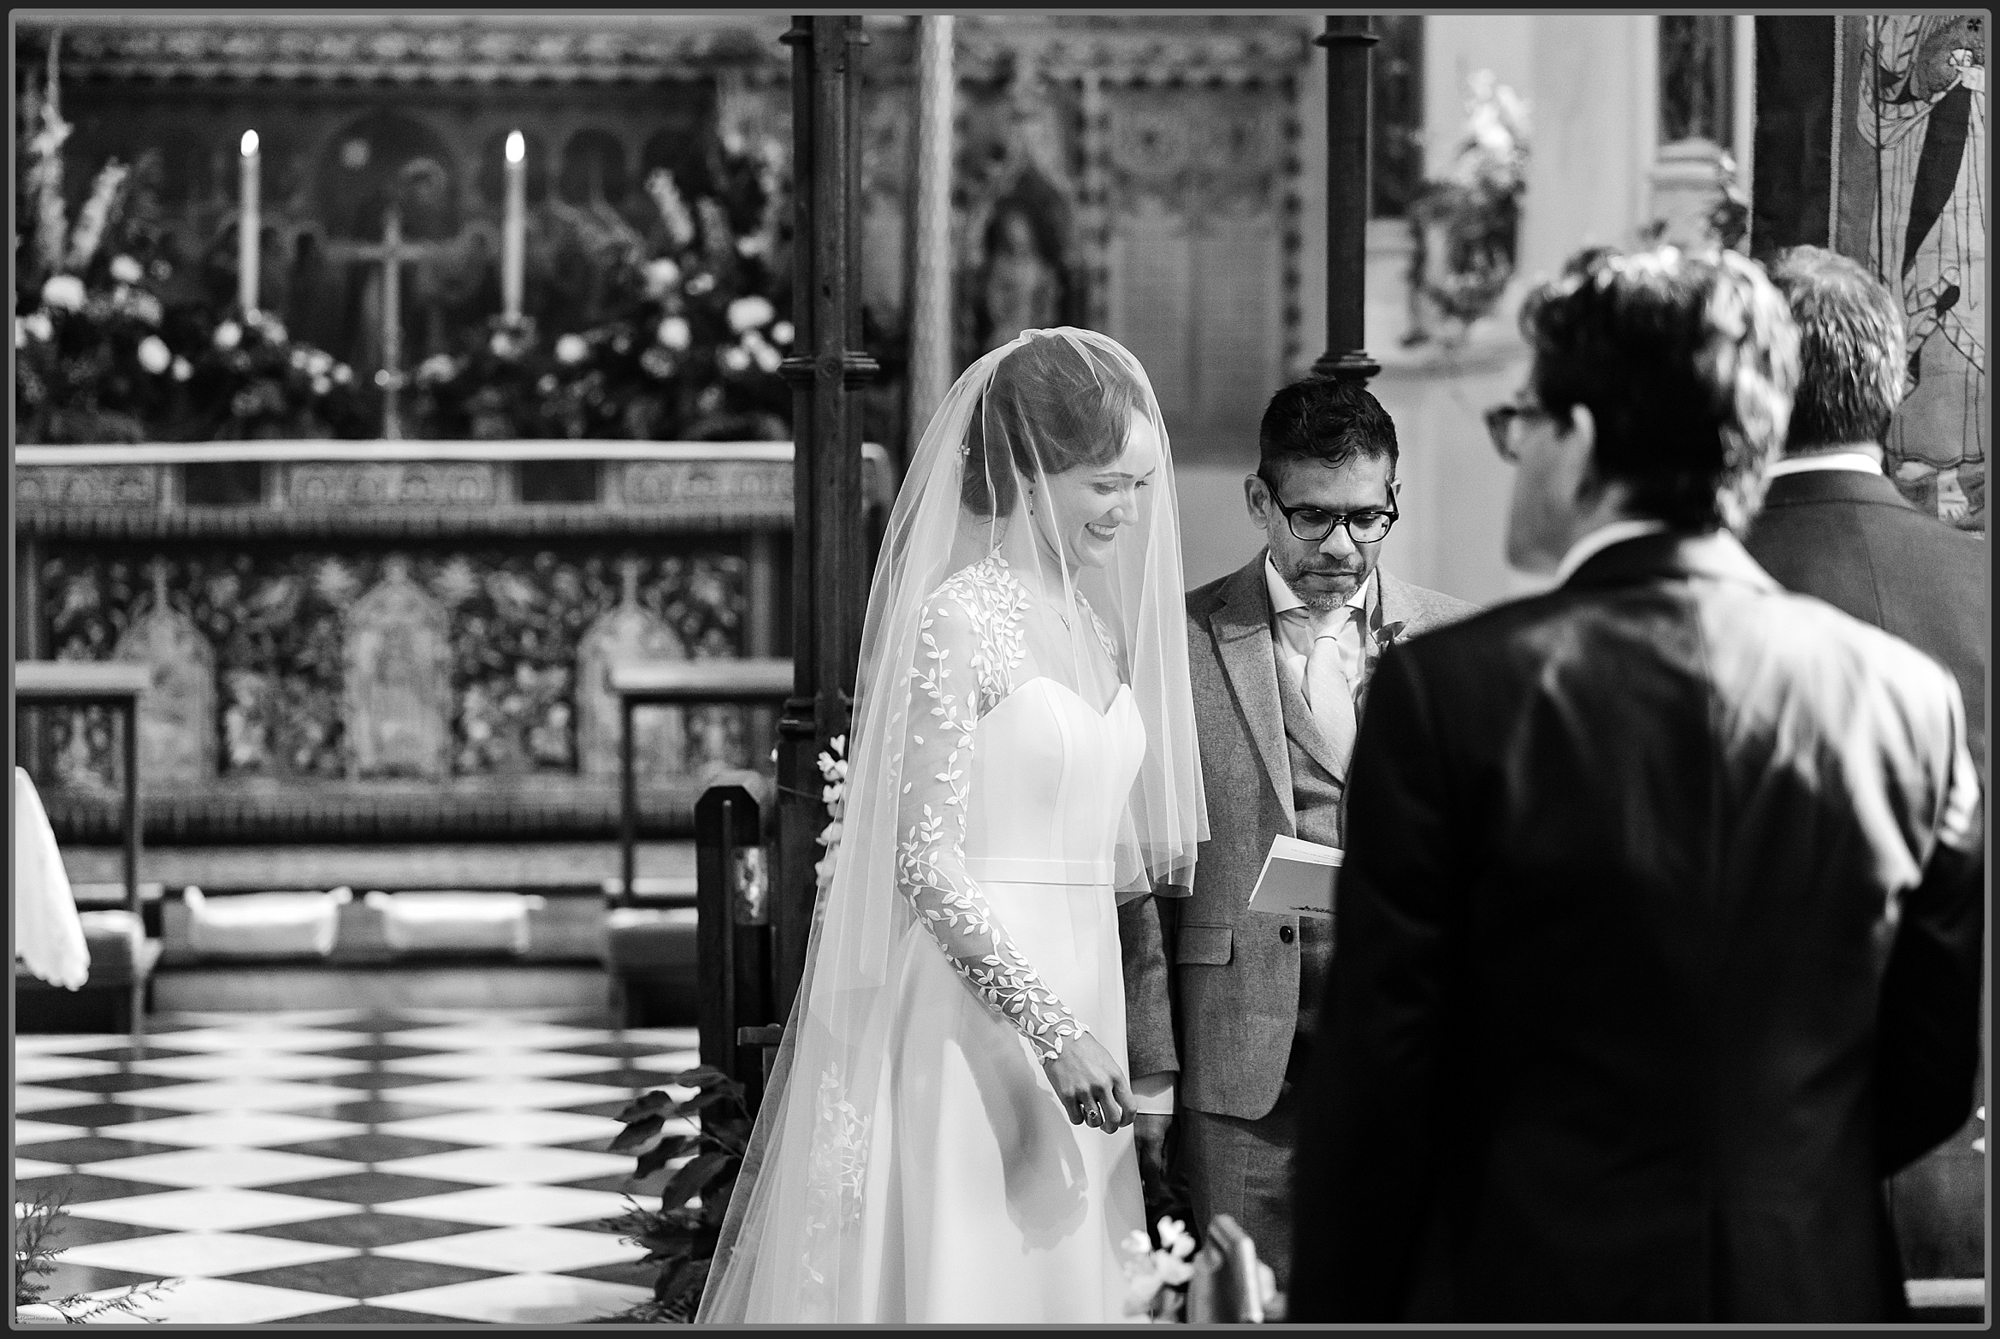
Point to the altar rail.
(232, 531)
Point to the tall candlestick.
(513, 237)
(249, 228)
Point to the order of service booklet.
(1297, 879)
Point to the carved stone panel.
(1195, 264)
(88, 485)
(177, 737)
(698, 485)
(417, 483)
(398, 663)
(629, 634)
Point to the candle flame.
(249, 144)
(517, 146)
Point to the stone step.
(398, 867)
(253, 988)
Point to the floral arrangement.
(111, 345)
(833, 769)
(1156, 1277)
(1466, 224)
(34, 1260)
(682, 1234)
(689, 349)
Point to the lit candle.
(249, 229)
(513, 238)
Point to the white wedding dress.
(983, 1203)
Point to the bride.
(947, 1132)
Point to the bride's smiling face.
(1089, 505)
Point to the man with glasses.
(1661, 920)
(1280, 657)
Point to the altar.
(399, 641)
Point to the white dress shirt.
(1292, 629)
(1862, 462)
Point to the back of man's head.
(1687, 362)
(1326, 421)
(1851, 350)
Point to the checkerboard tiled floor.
(422, 1166)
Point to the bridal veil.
(799, 1237)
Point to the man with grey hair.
(1660, 922)
(1832, 525)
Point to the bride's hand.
(1091, 1085)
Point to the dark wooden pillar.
(829, 578)
(1349, 189)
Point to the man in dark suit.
(1660, 922)
(1832, 524)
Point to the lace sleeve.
(967, 643)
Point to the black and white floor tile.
(438, 1166)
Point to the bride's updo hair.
(1050, 408)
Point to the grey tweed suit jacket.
(1212, 988)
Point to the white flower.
(321, 385)
(767, 357)
(228, 335)
(782, 332)
(572, 349)
(298, 359)
(162, 271)
(319, 362)
(126, 270)
(674, 333)
(342, 374)
(439, 367)
(183, 369)
(154, 355)
(657, 362)
(547, 384)
(145, 307)
(661, 275)
(736, 358)
(64, 291)
(273, 329)
(700, 284)
(38, 325)
(750, 313)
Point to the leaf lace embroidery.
(834, 1174)
(969, 643)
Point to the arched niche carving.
(593, 168)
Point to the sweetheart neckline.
(1124, 691)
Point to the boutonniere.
(1386, 635)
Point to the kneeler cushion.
(265, 925)
(455, 922)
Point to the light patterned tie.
(1328, 691)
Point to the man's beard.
(1320, 601)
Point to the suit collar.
(1803, 489)
(1670, 555)
(1241, 625)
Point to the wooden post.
(930, 227)
(1349, 109)
(731, 937)
(829, 577)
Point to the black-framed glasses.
(1314, 524)
(1500, 420)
